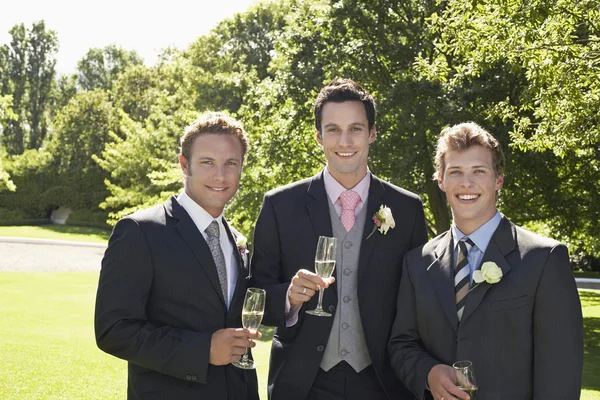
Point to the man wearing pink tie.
(343, 356)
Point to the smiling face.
(212, 172)
(345, 139)
(470, 184)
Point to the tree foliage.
(99, 68)
(28, 76)
(548, 58)
(526, 71)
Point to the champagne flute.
(252, 314)
(324, 266)
(465, 378)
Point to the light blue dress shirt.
(481, 237)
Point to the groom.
(343, 356)
(517, 319)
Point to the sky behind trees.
(144, 26)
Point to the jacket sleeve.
(121, 324)
(409, 359)
(267, 266)
(557, 331)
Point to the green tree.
(28, 65)
(99, 68)
(81, 130)
(14, 83)
(5, 114)
(552, 51)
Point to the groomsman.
(343, 356)
(173, 280)
(486, 291)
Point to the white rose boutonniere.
(383, 220)
(490, 272)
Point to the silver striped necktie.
(462, 275)
(214, 244)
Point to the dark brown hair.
(340, 90)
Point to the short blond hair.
(217, 123)
(463, 136)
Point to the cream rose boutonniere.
(383, 220)
(242, 244)
(489, 272)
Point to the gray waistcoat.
(347, 340)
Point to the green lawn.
(48, 349)
(59, 232)
(586, 274)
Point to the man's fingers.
(309, 282)
(455, 393)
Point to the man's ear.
(183, 163)
(372, 134)
(440, 182)
(499, 181)
(319, 137)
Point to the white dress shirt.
(202, 219)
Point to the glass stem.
(320, 304)
(245, 357)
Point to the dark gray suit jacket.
(523, 334)
(285, 240)
(159, 301)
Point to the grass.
(586, 274)
(48, 350)
(58, 232)
(590, 303)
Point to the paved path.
(25, 254)
(17, 254)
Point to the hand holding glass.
(324, 266)
(465, 378)
(252, 314)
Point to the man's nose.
(345, 139)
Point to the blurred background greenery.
(103, 141)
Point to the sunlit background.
(144, 26)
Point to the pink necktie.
(349, 200)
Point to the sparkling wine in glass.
(252, 314)
(465, 378)
(324, 267)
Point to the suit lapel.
(240, 287)
(441, 275)
(376, 191)
(502, 242)
(195, 241)
(318, 211)
(318, 207)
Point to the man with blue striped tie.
(486, 291)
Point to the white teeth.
(218, 189)
(467, 196)
(345, 154)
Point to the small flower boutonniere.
(383, 220)
(490, 272)
(242, 245)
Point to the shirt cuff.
(291, 312)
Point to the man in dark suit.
(486, 291)
(173, 280)
(342, 356)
